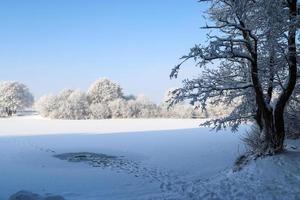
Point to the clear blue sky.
(57, 44)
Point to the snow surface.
(36, 125)
(137, 160)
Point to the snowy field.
(137, 159)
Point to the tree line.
(103, 100)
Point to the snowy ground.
(136, 160)
(36, 125)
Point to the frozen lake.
(159, 157)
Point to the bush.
(253, 141)
(46, 104)
(118, 108)
(100, 111)
(142, 107)
(68, 104)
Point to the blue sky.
(57, 44)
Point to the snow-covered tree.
(177, 111)
(142, 107)
(104, 91)
(68, 104)
(76, 106)
(170, 94)
(14, 96)
(180, 109)
(100, 111)
(254, 48)
(46, 104)
(118, 108)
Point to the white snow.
(151, 159)
(36, 125)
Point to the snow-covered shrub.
(100, 111)
(118, 108)
(142, 107)
(104, 91)
(253, 140)
(14, 96)
(185, 111)
(68, 104)
(180, 111)
(76, 106)
(46, 104)
(59, 106)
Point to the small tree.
(14, 96)
(104, 91)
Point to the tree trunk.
(273, 130)
(270, 119)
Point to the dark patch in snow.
(97, 159)
(25, 195)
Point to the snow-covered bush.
(118, 108)
(14, 96)
(139, 107)
(68, 104)
(100, 111)
(180, 111)
(104, 91)
(46, 105)
(253, 140)
(76, 106)
(142, 107)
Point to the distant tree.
(179, 109)
(100, 111)
(14, 96)
(76, 106)
(142, 107)
(254, 49)
(118, 108)
(104, 91)
(46, 104)
(68, 104)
